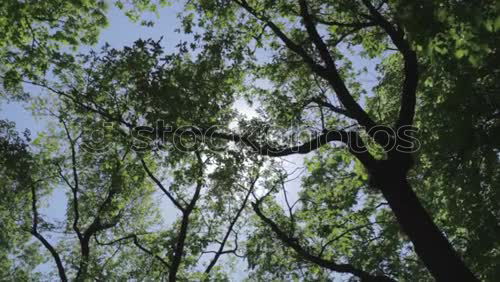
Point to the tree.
(318, 51)
(113, 229)
(360, 210)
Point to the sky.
(122, 32)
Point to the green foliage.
(451, 28)
(36, 35)
(17, 253)
(119, 195)
(457, 168)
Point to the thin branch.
(97, 226)
(138, 244)
(41, 238)
(332, 74)
(282, 36)
(349, 138)
(131, 236)
(75, 187)
(290, 208)
(162, 188)
(356, 25)
(221, 251)
(336, 238)
(331, 107)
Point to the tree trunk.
(81, 275)
(432, 247)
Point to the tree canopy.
(372, 154)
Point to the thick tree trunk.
(432, 247)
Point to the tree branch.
(332, 74)
(282, 36)
(137, 244)
(95, 227)
(75, 187)
(149, 252)
(306, 255)
(397, 35)
(348, 137)
(158, 183)
(355, 228)
(41, 238)
(221, 251)
(331, 107)
(356, 25)
(181, 237)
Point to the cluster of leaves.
(36, 35)
(17, 255)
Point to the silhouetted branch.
(181, 237)
(158, 183)
(397, 35)
(41, 238)
(306, 255)
(221, 251)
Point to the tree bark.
(429, 242)
(55, 255)
(82, 273)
